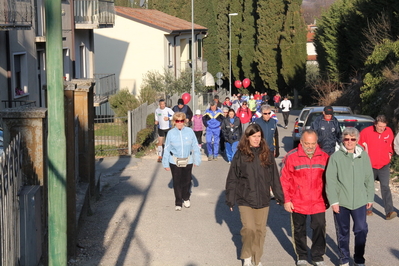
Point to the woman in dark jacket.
(252, 173)
(231, 130)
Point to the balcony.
(15, 14)
(94, 14)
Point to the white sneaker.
(345, 264)
(178, 208)
(319, 263)
(186, 203)
(302, 263)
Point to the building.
(23, 46)
(145, 40)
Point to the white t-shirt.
(285, 105)
(160, 114)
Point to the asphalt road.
(134, 221)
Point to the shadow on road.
(231, 218)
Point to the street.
(134, 221)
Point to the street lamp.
(231, 14)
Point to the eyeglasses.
(267, 113)
(179, 121)
(350, 139)
(244, 104)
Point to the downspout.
(174, 55)
(72, 14)
(8, 63)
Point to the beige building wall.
(129, 50)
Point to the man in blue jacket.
(269, 128)
(212, 120)
(328, 130)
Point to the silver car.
(358, 121)
(308, 115)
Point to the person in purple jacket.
(198, 126)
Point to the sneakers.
(159, 159)
(209, 158)
(359, 264)
(215, 158)
(247, 262)
(186, 203)
(390, 216)
(178, 208)
(301, 263)
(369, 213)
(319, 263)
(345, 264)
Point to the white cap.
(198, 112)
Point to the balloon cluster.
(245, 83)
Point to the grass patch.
(108, 129)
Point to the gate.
(10, 184)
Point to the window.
(83, 73)
(20, 73)
(199, 48)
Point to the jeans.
(383, 176)
(231, 149)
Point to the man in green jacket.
(350, 192)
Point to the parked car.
(296, 133)
(358, 121)
(308, 115)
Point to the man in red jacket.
(377, 141)
(303, 182)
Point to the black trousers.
(198, 134)
(318, 226)
(181, 182)
(285, 117)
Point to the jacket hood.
(357, 153)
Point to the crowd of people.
(329, 168)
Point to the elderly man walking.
(212, 120)
(328, 130)
(303, 183)
(269, 128)
(377, 140)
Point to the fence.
(115, 135)
(10, 184)
(137, 121)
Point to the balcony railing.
(94, 14)
(15, 14)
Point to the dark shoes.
(159, 159)
(391, 215)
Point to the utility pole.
(56, 161)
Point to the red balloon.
(186, 97)
(246, 82)
(238, 84)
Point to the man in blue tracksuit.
(212, 120)
(328, 130)
(269, 128)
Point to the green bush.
(122, 102)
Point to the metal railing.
(10, 185)
(16, 14)
(93, 14)
(17, 103)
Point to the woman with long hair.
(252, 173)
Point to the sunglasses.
(267, 113)
(244, 104)
(350, 139)
(179, 121)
